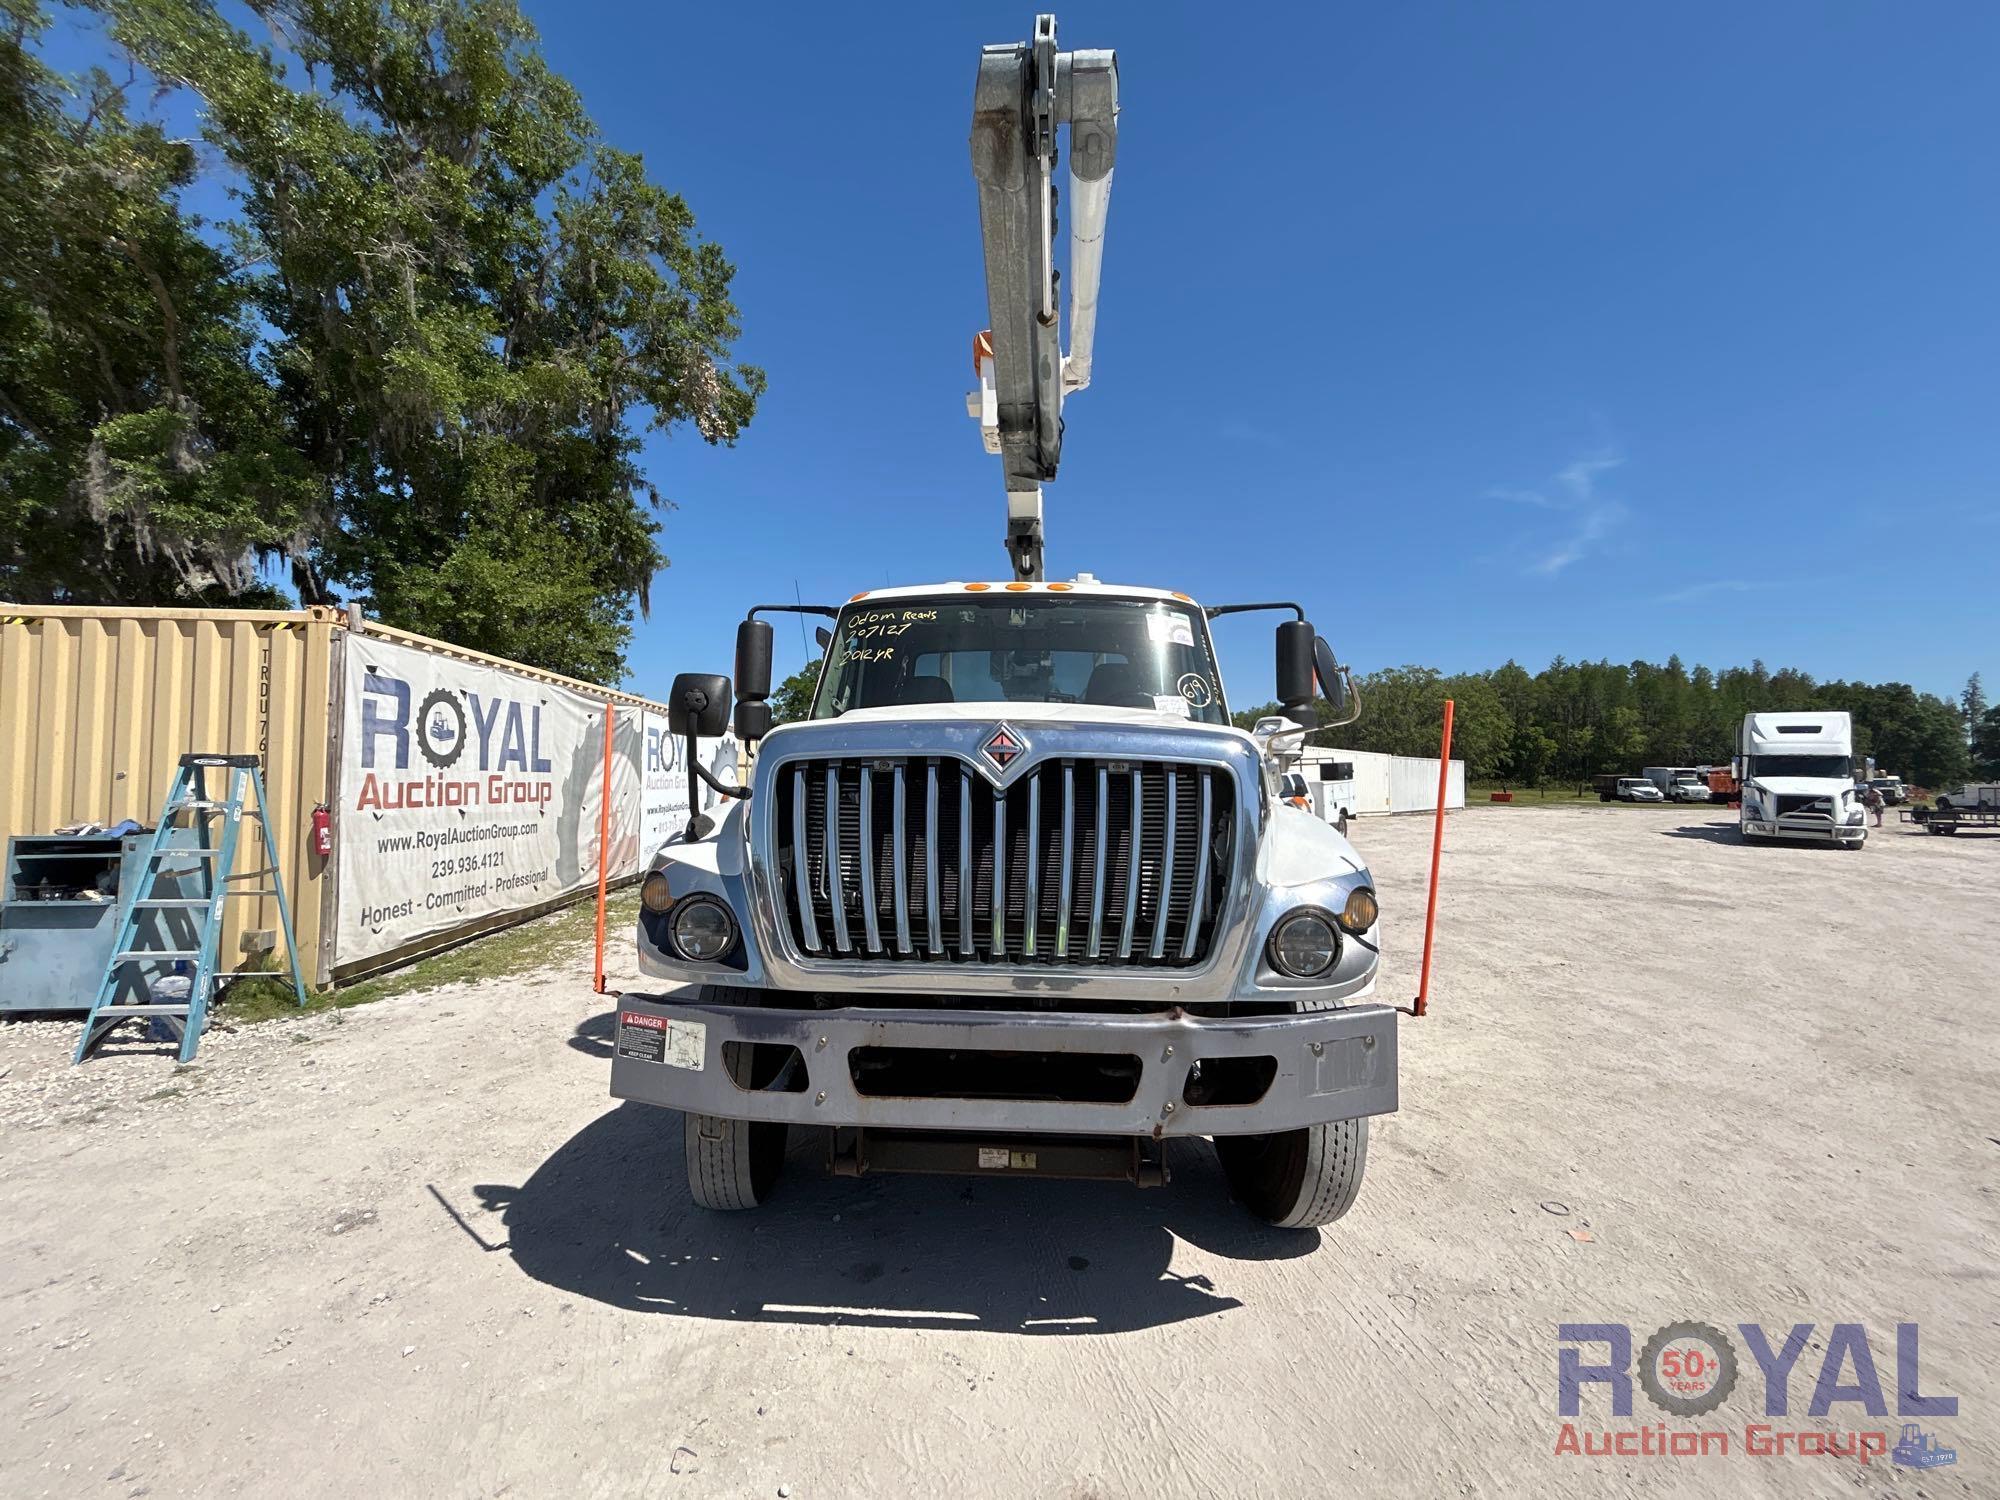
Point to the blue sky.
(1484, 330)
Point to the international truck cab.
(1017, 897)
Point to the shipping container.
(98, 705)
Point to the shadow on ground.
(1713, 833)
(593, 1037)
(1729, 833)
(607, 1217)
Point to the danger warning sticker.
(655, 1039)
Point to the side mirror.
(753, 679)
(824, 637)
(1336, 684)
(698, 705)
(1295, 671)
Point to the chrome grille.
(1096, 861)
(1796, 806)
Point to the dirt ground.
(414, 1248)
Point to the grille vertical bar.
(933, 918)
(897, 823)
(1097, 878)
(1031, 908)
(869, 921)
(1000, 876)
(1195, 912)
(965, 864)
(1167, 865)
(1132, 883)
(1068, 859)
(801, 875)
(836, 889)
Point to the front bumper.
(1331, 1065)
(1819, 830)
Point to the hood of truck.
(1023, 714)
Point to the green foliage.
(420, 376)
(792, 700)
(141, 457)
(1574, 720)
(1986, 746)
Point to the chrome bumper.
(1331, 1065)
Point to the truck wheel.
(735, 1164)
(732, 1164)
(1342, 825)
(1297, 1179)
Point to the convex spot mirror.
(1336, 684)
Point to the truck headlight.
(1360, 912)
(703, 929)
(1304, 945)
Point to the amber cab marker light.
(977, 588)
(1019, 588)
(1061, 588)
(857, 598)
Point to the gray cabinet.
(59, 915)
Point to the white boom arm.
(1024, 92)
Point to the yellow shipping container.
(97, 705)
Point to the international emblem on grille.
(1004, 748)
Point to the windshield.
(1040, 648)
(1825, 767)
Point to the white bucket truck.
(1797, 772)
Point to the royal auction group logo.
(477, 750)
(1689, 1370)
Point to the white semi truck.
(1797, 774)
(1017, 897)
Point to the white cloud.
(1695, 591)
(1575, 492)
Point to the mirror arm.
(1214, 611)
(794, 609)
(699, 823)
(1353, 707)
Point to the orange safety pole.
(1422, 1004)
(603, 845)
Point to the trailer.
(1948, 818)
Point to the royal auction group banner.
(467, 791)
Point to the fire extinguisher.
(322, 831)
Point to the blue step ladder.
(188, 849)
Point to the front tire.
(734, 1165)
(1297, 1179)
